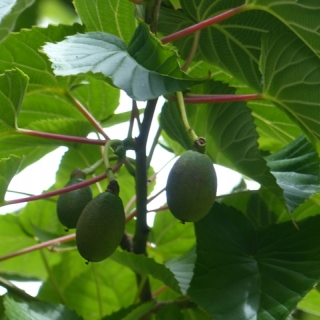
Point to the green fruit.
(191, 186)
(71, 204)
(100, 227)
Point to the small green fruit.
(100, 227)
(71, 204)
(191, 186)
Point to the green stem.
(94, 167)
(52, 278)
(107, 146)
(184, 117)
(203, 24)
(100, 302)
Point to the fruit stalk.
(184, 117)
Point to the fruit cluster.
(99, 222)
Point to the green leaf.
(301, 18)
(107, 54)
(140, 311)
(148, 51)
(108, 16)
(144, 266)
(170, 311)
(297, 170)
(8, 169)
(291, 81)
(34, 63)
(236, 45)
(99, 98)
(311, 302)
(13, 238)
(13, 86)
(18, 309)
(170, 236)
(9, 12)
(261, 273)
(182, 268)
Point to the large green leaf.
(13, 238)
(92, 290)
(297, 170)
(291, 81)
(144, 266)
(36, 310)
(107, 54)
(182, 268)
(32, 62)
(108, 16)
(300, 17)
(9, 12)
(253, 274)
(13, 85)
(311, 302)
(170, 236)
(8, 169)
(232, 45)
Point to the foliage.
(249, 74)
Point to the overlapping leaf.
(32, 62)
(108, 16)
(144, 266)
(291, 80)
(297, 170)
(107, 54)
(253, 274)
(294, 15)
(171, 238)
(13, 85)
(8, 168)
(9, 12)
(13, 238)
(36, 310)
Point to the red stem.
(88, 116)
(49, 243)
(214, 98)
(202, 25)
(61, 137)
(57, 192)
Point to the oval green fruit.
(191, 186)
(71, 204)
(100, 227)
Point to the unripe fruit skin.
(71, 204)
(191, 187)
(100, 227)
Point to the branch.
(87, 115)
(61, 137)
(215, 98)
